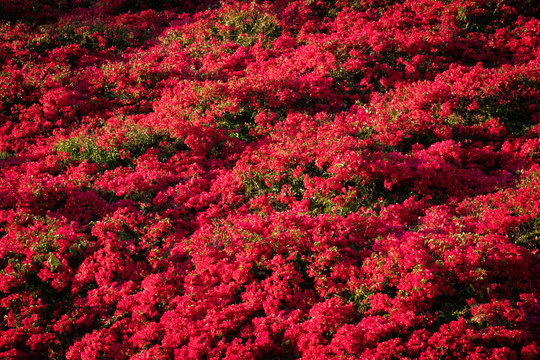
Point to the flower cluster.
(252, 179)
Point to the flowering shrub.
(255, 180)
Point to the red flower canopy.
(269, 179)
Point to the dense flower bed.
(269, 180)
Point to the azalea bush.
(269, 179)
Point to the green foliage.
(4, 155)
(359, 297)
(241, 25)
(514, 114)
(244, 26)
(89, 34)
(238, 123)
(359, 192)
(86, 147)
(452, 307)
(527, 235)
(487, 16)
(510, 103)
(43, 242)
